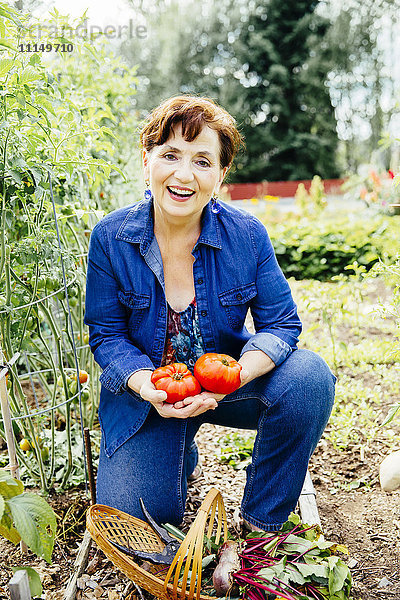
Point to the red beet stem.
(259, 585)
(253, 595)
(253, 547)
(286, 585)
(313, 591)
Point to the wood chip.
(81, 581)
(92, 584)
(94, 564)
(113, 595)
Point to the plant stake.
(8, 430)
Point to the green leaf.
(28, 75)
(8, 530)
(6, 44)
(108, 131)
(391, 414)
(312, 569)
(17, 177)
(35, 585)
(10, 14)
(2, 507)
(36, 522)
(340, 548)
(9, 487)
(21, 99)
(296, 545)
(5, 66)
(35, 59)
(294, 518)
(338, 574)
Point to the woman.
(170, 278)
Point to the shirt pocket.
(236, 303)
(135, 305)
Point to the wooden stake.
(8, 430)
(5, 411)
(19, 586)
(79, 567)
(307, 503)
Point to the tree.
(266, 63)
(361, 80)
(287, 116)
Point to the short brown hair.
(193, 113)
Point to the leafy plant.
(376, 190)
(57, 141)
(293, 563)
(392, 274)
(26, 516)
(305, 251)
(236, 450)
(314, 201)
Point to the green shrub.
(311, 249)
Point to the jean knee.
(311, 387)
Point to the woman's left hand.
(206, 397)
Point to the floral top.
(183, 340)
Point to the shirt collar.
(138, 227)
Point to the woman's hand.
(140, 382)
(192, 406)
(209, 400)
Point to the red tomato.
(218, 373)
(177, 381)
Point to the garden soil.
(353, 510)
(366, 520)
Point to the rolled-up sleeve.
(108, 330)
(273, 309)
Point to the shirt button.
(203, 313)
(200, 281)
(239, 296)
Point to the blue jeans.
(288, 407)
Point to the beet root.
(229, 562)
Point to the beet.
(229, 562)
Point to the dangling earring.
(215, 205)
(147, 192)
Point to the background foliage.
(312, 83)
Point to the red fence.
(282, 189)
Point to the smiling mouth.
(180, 194)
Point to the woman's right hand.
(140, 382)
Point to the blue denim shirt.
(234, 269)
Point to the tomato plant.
(177, 381)
(56, 154)
(219, 373)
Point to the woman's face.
(184, 175)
